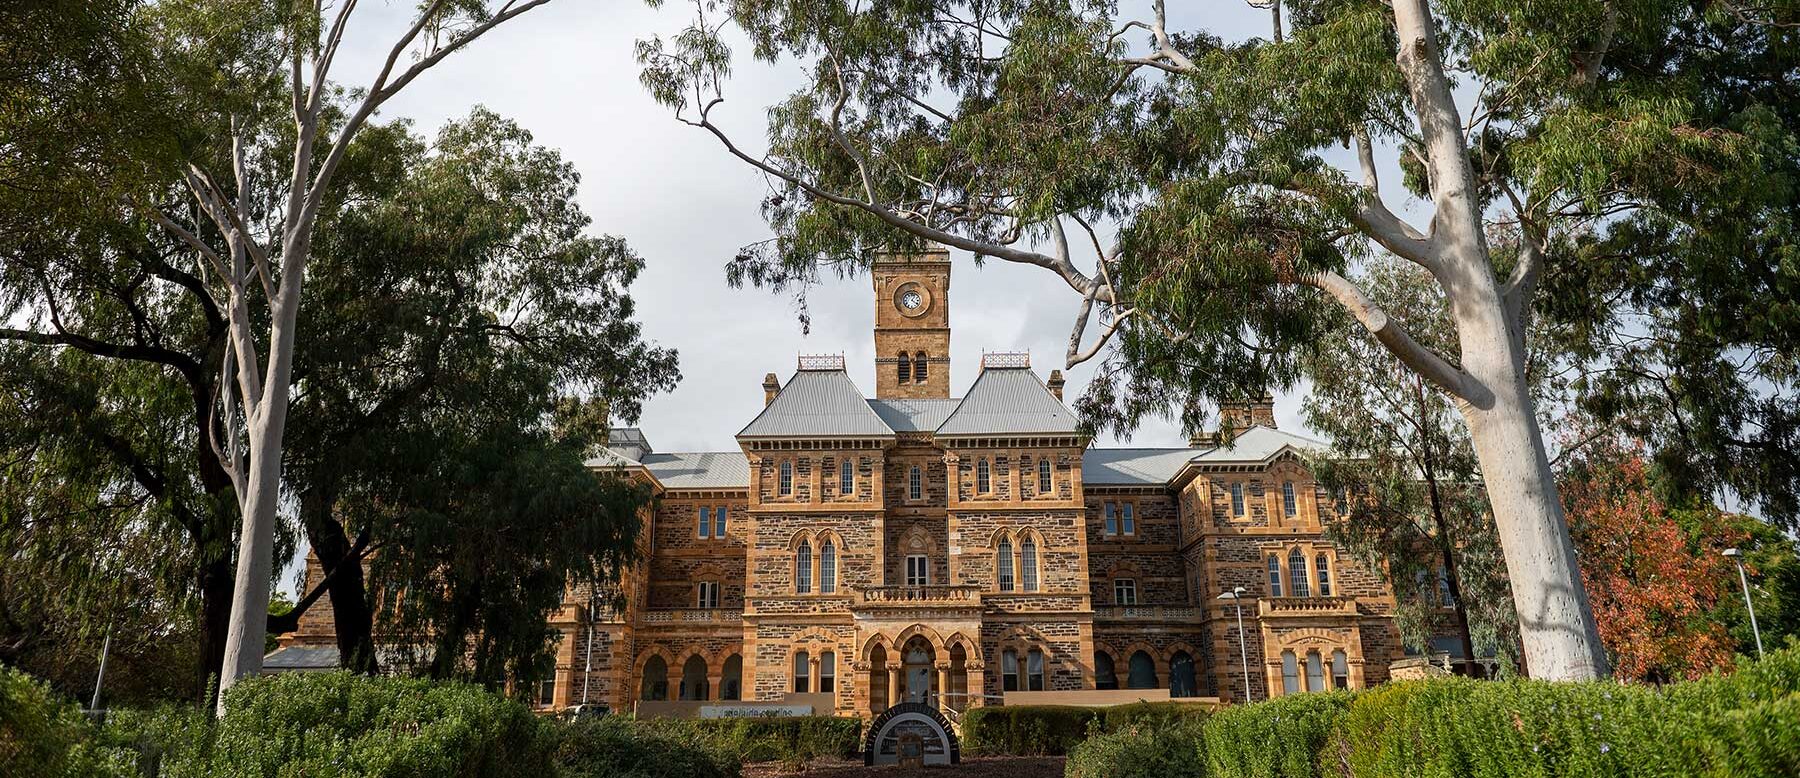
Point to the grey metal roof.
(700, 470)
(904, 415)
(1257, 444)
(1132, 466)
(1009, 401)
(294, 658)
(817, 403)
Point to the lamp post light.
(1737, 557)
(1236, 596)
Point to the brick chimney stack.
(1240, 416)
(771, 387)
(1055, 384)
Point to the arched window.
(846, 478)
(1288, 504)
(656, 680)
(1105, 677)
(1044, 485)
(1315, 672)
(1297, 573)
(787, 478)
(1322, 568)
(903, 369)
(915, 484)
(803, 568)
(1182, 681)
(1290, 673)
(919, 367)
(827, 672)
(984, 481)
(1028, 565)
(1274, 576)
(1034, 670)
(1143, 672)
(827, 568)
(1005, 565)
(1340, 669)
(731, 686)
(693, 678)
(802, 673)
(1009, 670)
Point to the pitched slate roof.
(914, 415)
(300, 658)
(702, 470)
(817, 403)
(1009, 401)
(1132, 466)
(1257, 444)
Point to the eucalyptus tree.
(1005, 127)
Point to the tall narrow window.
(1443, 582)
(1028, 565)
(827, 568)
(1127, 519)
(546, 696)
(1274, 576)
(1289, 505)
(1005, 565)
(1322, 568)
(903, 368)
(803, 568)
(1106, 675)
(708, 594)
(705, 522)
(846, 478)
(915, 484)
(1315, 672)
(1034, 670)
(1045, 487)
(802, 673)
(1237, 499)
(1297, 573)
(1112, 520)
(827, 673)
(917, 570)
(984, 481)
(1124, 591)
(719, 522)
(1290, 673)
(1009, 670)
(787, 478)
(919, 367)
(1340, 670)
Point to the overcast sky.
(566, 73)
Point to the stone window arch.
(1106, 674)
(984, 477)
(1183, 677)
(827, 566)
(1003, 563)
(1141, 671)
(693, 678)
(655, 679)
(1028, 561)
(903, 368)
(919, 370)
(803, 565)
(1298, 580)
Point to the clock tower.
(912, 324)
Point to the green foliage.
(1281, 738)
(1026, 730)
(792, 740)
(618, 747)
(42, 736)
(1151, 715)
(1169, 748)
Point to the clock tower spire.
(912, 324)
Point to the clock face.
(912, 301)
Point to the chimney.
(1240, 416)
(771, 387)
(1203, 440)
(1055, 384)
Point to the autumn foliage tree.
(1654, 572)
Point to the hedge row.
(45, 737)
(1743, 724)
(792, 740)
(1052, 730)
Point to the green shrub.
(1152, 715)
(789, 739)
(1026, 730)
(1152, 747)
(41, 735)
(1282, 738)
(620, 747)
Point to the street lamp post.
(1236, 597)
(1737, 557)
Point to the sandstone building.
(919, 546)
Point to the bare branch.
(1373, 216)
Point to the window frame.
(1128, 519)
(915, 484)
(704, 530)
(784, 484)
(802, 672)
(1003, 566)
(828, 672)
(1290, 673)
(827, 567)
(1299, 580)
(1035, 669)
(1290, 501)
(846, 478)
(803, 562)
(1238, 507)
(1046, 478)
(1125, 592)
(1009, 670)
(1109, 525)
(1272, 563)
(719, 514)
(984, 476)
(924, 563)
(1028, 564)
(702, 601)
(1322, 569)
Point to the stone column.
(894, 669)
(977, 686)
(943, 685)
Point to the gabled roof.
(903, 415)
(1009, 401)
(702, 470)
(1132, 466)
(820, 403)
(1258, 444)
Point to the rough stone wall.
(1150, 556)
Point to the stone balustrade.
(1182, 613)
(1292, 607)
(691, 616)
(953, 595)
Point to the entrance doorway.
(919, 673)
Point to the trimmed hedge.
(1054, 730)
(1281, 738)
(619, 747)
(792, 739)
(42, 736)
(1146, 749)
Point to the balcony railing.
(956, 595)
(1290, 607)
(1146, 613)
(691, 616)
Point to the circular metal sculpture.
(919, 728)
